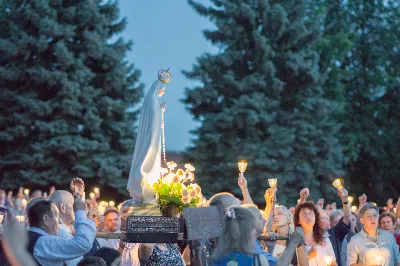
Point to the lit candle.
(92, 195)
(96, 190)
(374, 203)
(104, 204)
(26, 192)
(350, 199)
(111, 204)
(337, 184)
(242, 166)
(354, 208)
(272, 182)
(328, 260)
(379, 259)
(24, 202)
(101, 209)
(20, 218)
(119, 206)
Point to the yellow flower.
(190, 176)
(202, 203)
(181, 174)
(197, 188)
(176, 179)
(168, 178)
(171, 165)
(192, 193)
(189, 167)
(186, 200)
(164, 171)
(185, 193)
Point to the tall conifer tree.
(367, 78)
(65, 91)
(261, 99)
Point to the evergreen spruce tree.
(261, 99)
(65, 91)
(369, 74)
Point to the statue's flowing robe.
(146, 162)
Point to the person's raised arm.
(398, 208)
(15, 243)
(304, 193)
(59, 249)
(344, 194)
(269, 201)
(362, 200)
(242, 183)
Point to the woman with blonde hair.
(236, 244)
(283, 225)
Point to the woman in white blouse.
(319, 248)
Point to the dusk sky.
(167, 34)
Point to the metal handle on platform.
(123, 236)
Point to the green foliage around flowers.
(171, 194)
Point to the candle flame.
(242, 166)
(272, 182)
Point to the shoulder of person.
(356, 237)
(386, 234)
(48, 238)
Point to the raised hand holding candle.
(242, 165)
(92, 196)
(354, 208)
(273, 182)
(26, 192)
(337, 184)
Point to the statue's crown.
(164, 76)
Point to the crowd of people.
(62, 226)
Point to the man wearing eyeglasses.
(372, 246)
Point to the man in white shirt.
(44, 244)
(372, 246)
(113, 225)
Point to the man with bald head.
(64, 202)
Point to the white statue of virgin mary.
(146, 162)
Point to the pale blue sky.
(167, 33)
